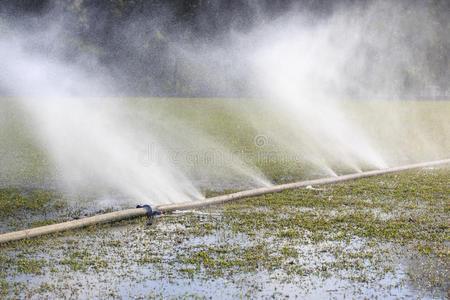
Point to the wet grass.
(385, 235)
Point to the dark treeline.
(137, 42)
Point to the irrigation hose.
(147, 210)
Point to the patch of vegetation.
(19, 200)
(30, 266)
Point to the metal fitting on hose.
(150, 213)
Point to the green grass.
(380, 236)
(402, 132)
(358, 233)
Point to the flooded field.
(385, 236)
(381, 237)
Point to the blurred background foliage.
(140, 43)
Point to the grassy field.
(385, 237)
(402, 132)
